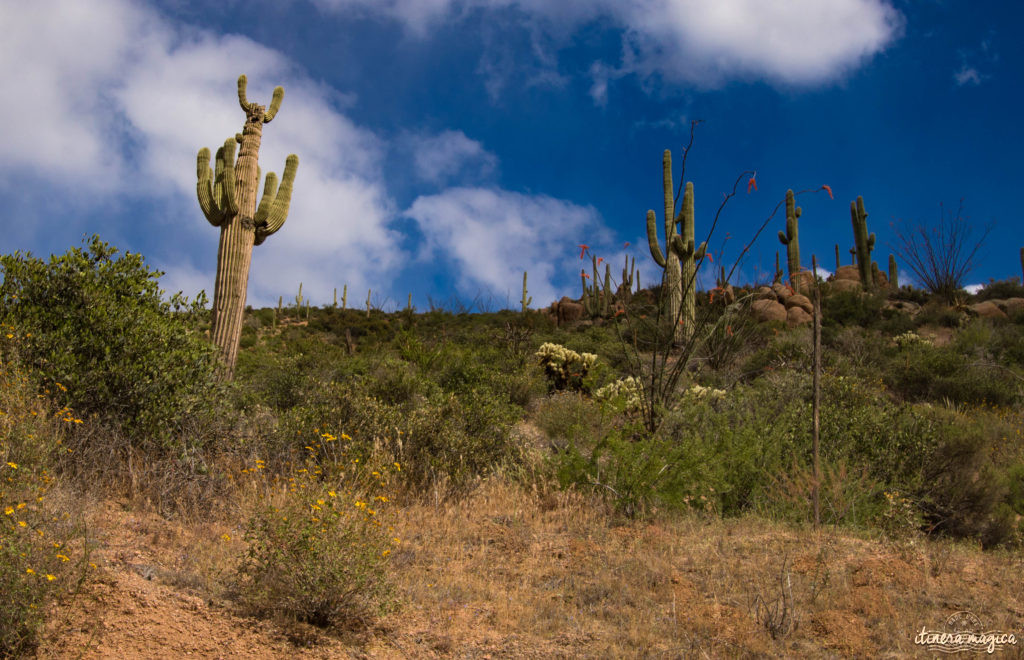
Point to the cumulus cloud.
(117, 101)
(492, 236)
(786, 42)
(440, 158)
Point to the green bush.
(96, 324)
(318, 552)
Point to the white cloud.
(786, 42)
(492, 236)
(440, 158)
(967, 75)
(116, 100)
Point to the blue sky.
(447, 145)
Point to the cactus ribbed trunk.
(234, 253)
(864, 242)
(791, 237)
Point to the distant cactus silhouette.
(865, 243)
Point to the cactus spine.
(791, 237)
(526, 299)
(680, 255)
(865, 243)
(227, 197)
(894, 274)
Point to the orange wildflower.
(583, 249)
(828, 189)
(752, 183)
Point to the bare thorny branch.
(940, 256)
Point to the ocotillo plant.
(865, 243)
(526, 299)
(791, 237)
(894, 282)
(227, 197)
(680, 255)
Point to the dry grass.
(515, 572)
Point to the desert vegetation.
(368, 469)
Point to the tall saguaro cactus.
(680, 255)
(791, 237)
(227, 197)
(864, 242)
(526, 299)
(894, 274)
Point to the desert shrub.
(97, 325)
(786, 349)
(1002, 289)
(933, 373)
(42, 556)
(963, 494)
(441, 439)
(317, 549)
(936, 313)
(851, 308)
(569, 418)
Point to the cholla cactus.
(628, 389)
(701, 392)
(910, 338)
(565, 368)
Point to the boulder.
(782, 291)
(987, 310)
(881, 279)
(849, 273)
(845, 285)
(568, 311)
(905, 306)
(801, 301)
(1013, 306)
(797, 316)
(765, 293)
(803, 281)
(768, 310)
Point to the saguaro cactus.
(680, 255)
(526, 299)
(791, 237)
(227, 197)
(864, 242)
(894, 274)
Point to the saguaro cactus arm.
(216, 189)
(652, 239)
(250, 108)
(273, 208)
